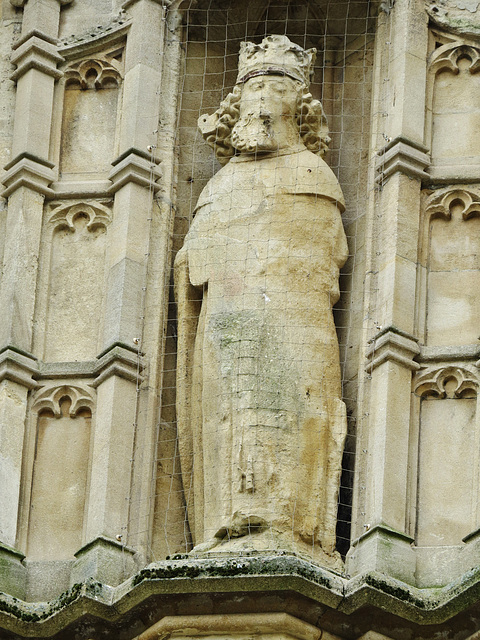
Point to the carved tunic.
(260, 417)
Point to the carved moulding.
(64, 215)
(446, 382)
(49, 397)
(392, 345)
(440, 203)
(93, 73)
(447, 57)
(401, 155)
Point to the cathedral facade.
(239, 303)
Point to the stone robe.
(261, 423)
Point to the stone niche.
(74, 252)
(343, 34)
(90, 117)
(59, 442)
(447, 456)
(450, 256)
(453, 109)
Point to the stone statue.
(260, 418)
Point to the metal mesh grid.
(343, 34)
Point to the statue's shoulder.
(219, 182)
(313, 175)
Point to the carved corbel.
(49, 398)
(446, 382)
(393, 345)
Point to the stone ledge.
(454, 174)
(236, 625)
(21, 3)
(129, 3)
(449, 353)
(173, 581)
(72, 189)
(55, 370)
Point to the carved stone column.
(382, 534)
(27, 179)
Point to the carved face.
(267, 114)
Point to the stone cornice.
(168, 585)
(401, 155)
(29, 171)
(18, 367)
(134, 166)
(36, 53)
(393, 345)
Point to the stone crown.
(276, 55)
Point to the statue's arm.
(189, 302)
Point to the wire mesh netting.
(251, 365)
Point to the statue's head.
(270, 107)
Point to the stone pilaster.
(16, 371)
(104, 556)
(27, 180)
(381, 531)
(137, 263)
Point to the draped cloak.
(261, 424)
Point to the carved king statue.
(260, 418)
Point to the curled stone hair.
(217, 128)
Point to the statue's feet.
(267, 540)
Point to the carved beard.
(254, 132)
